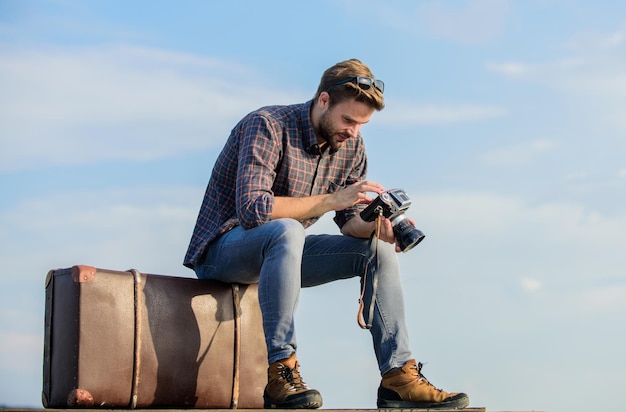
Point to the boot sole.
(306, 400)
(457, 402)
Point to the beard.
(326, 131)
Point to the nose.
(353, 130)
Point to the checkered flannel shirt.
(271, 152)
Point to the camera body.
(392, 204)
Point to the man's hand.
(358, 194)
(355, 194)
(386, 232)
(301, 208)
(357, 227)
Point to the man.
(281, 169)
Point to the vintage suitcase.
(132, 340)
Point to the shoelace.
(293, 381)
(422, 378)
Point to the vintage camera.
(392, 204)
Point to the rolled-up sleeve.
(259, 153)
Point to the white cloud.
(577, 176)
(596, 68)
(511, 238)
(16, 350)
(531, 284)
(475, 22)
(513, 69)
(588, 82)
(472, 22)
(76, 105)
(143, 228)
(599, 39)
(409, 113)
(607, 298)
(518, 154)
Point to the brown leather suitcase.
(131, 340)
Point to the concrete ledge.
(471, 409)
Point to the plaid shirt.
(272, 152)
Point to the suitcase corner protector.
(83, 273)
(49, 278)
(79, 398)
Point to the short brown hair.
(343, 70)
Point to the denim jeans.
(282, 259)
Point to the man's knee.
(387, 256)
(287, 230)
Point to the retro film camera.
(392, 204)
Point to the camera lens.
(407, 235)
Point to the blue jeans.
(282, 259)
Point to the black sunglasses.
(363, 82)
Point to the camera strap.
(373, 261)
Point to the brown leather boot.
(406, 387)
(285, 388)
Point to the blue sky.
(504, 122)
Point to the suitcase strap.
(137, 341)
(236, 374)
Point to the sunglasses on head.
(363, 82)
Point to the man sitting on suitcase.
(280, 170)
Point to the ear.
(323, 101)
